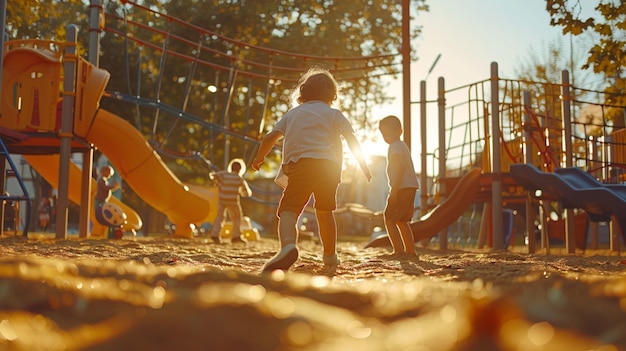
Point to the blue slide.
(576, 188)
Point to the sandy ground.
(188, 294)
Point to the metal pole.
(406, 71)
(84, 230)
(3, 180)
(496, 169)
(570, 235)
(67, 126)
(567, 121)
(3, 18)
(528, 159)
(95, 28)
(441, 102)
(3, 13)
(432, 67)
(87, 155)
(424, 153)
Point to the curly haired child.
(311, 164)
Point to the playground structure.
(576, 189)
(54, 98)
(30, 107)
(475, 131)
(494, 125)
(555, 132)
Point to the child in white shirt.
(312, 160)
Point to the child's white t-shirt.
(407, 177)
(312, 130)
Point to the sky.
(469, 35)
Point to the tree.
(541, 70)
(608, 55)
(235, 62)
(229, 64)
(546, 63)
(32, 19)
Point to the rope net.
(198, 92)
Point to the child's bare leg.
(328, 231)
(235, 218)
(288, 235)
(287, 231)
(407, 237)
(328, 236)
(394, 236)
(217, 223)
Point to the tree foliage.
(608, 55)
(546, 63)
(541, 69)
(33, 19)
(229, 63)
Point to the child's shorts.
(401, 210)
(310, 176)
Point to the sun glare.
(374, 148)
(371, 149)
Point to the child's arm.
(266, 146)
(245, 189)
(114, 186)
(355, 147)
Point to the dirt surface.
(189, 294)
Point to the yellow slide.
(144, 171)
(48, 167)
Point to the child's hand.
(256, 164)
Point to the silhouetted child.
(104, 186)
(9, 213)
(104, 189)
(231, 187)
(45, 213)
(312, 160)
(403, 186)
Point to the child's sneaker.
(331, 261)
(283, 259)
